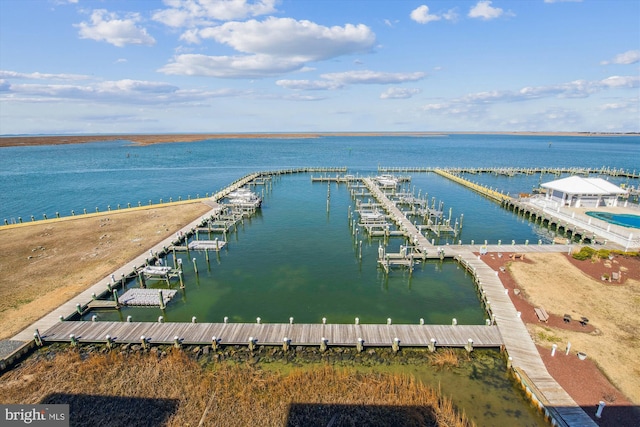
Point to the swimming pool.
(625, 220)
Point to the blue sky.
(120, 66)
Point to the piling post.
(432, 345)
(74, 340)
(195, 265)
(215, 343)
(160, 319)
(285, 344)
(109, 341)
(143, 342)
(181, 279)
(194, 319)
(454, 322)
(396, 345)
(162, 306)
(388, 321)
(600, 408)
(38, 338)
(129, 319)
(421, 321)
(252, 343)
(115, 298)
(357, 320)
(469, 345)
(79, 309)
(553, 350)
(176, 342)
(323, 344)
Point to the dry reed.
(111, 388)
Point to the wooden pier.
(273, 334)
(404, 224)
(613, 172)
(522, 352)
(210, 245)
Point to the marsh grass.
(137, 384)
(445, 359)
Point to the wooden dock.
(273, 334)
(403, 223)
(614, 172)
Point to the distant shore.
(148, 139)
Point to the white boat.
(387, 181)
(244, 198)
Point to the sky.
(215, 66)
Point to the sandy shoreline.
(147, 139)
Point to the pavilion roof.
(579, 185)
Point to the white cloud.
(126, 91)
(485, 11)
(421, 15)
(332, 81)
(107, 26)
(309, 84)
(187, 13)
(631, 104)
(373, 77)
(451, 15)
(626, 58)
(249, 66)
(399, 93)
(621, 81)
(288, 37)
(272, 47)
(575, 89)
(562, 1)
(6, 74)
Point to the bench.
(516, 256)
(542, 314)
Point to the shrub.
(585, 253)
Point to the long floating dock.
(274, 334)
(614, 172)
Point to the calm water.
(296, 260)
(50, 179)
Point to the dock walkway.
(520, 347)
(344, 335)
(420, 242)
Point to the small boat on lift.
(387, 181)
(244, 198)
